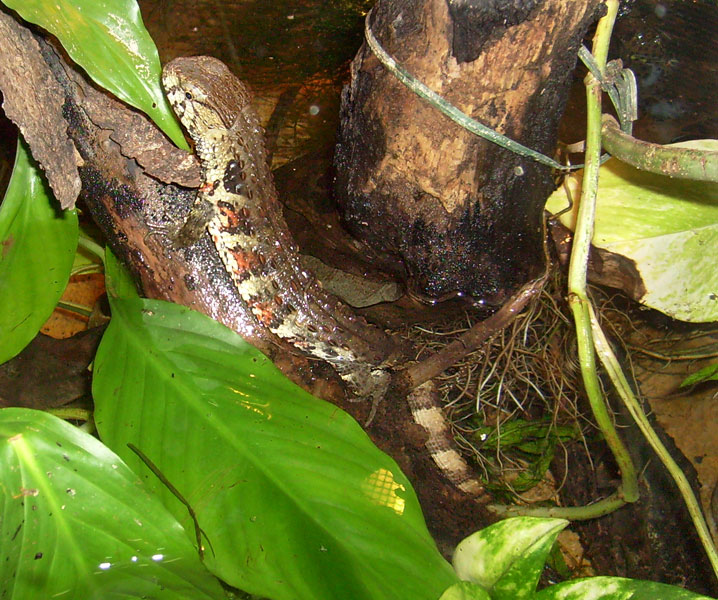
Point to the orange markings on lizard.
(247, 261)
(263, 311)
(229, 217)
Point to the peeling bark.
(32, 99)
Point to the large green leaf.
(667, 227)
(507, 558)
(76, 522)
(295, 500)
(37, 248)
(615, 588)
(108, 39)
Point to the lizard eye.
(188, 95)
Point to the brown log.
(461, 214)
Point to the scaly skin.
(238, 205)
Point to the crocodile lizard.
(238, 205)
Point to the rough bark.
(460, 214)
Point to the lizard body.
(238, 205)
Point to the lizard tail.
(424, 405)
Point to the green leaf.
(108, 39)
(532, 442)
(667, 227)
(527, 436)
(76, 522)
(709, 373)
(614, 588)
(37, 249)
(465, 590)
(507, 558)
(295, 500)
(118, 281)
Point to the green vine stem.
(92, 248)
(600, 508)
(449, 109)
(590, 335)
(580, 304)
(610, 362)
(577, 296)
(71, 413)
(686, 163)
(73, 307)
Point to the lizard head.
(204, 93)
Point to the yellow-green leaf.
(668, 227)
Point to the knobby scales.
(238, 205)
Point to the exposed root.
(518, 391)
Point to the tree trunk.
(461, 214)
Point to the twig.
(421, 372)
